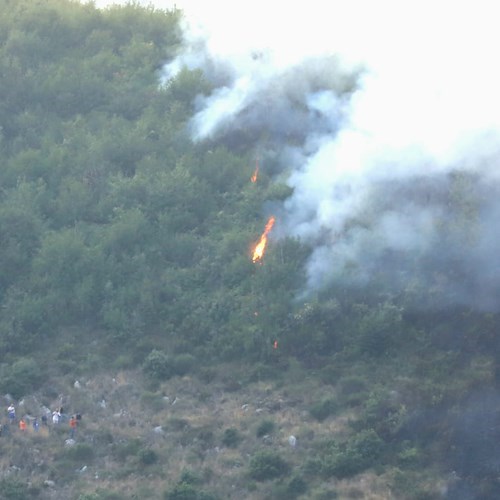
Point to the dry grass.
(192, 416)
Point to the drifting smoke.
(390, 138)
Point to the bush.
(288, 490)
(354, 456)
(79, 453)
(323, 409)
(264, 428)
(186, 491)
(129, 448)
(158, 366)
(20, 378)
(231, 438)
(182, 364)
(296, 486)
(352, 385)
(101, 495)
(147, 456)
(267, 465)
(13, 489)
(325, 494)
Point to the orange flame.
(260, 248)
(255, 172)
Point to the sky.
(425, 105)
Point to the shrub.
(101, 495)
(265, 427)
(190, 477)
(267, 465)
(153, 401)
(129, 448)
(329, 374)
(186, 491)
(352, 385)
(296, 486)
(13, 489)
(182, 364)
(325, 494)
(231, 438)
(323, 409)
(354, 456)
(157, 366)
(20, 378)
(287, 490)
(80, 452)
(147, 456)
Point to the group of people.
(58, 416)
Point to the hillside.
(128, 294)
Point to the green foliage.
(265, 427)
(114, 226)
(383, 412)
(231, 437)
(14, 489)
(147, 456)
(293, 488)
(184, 491)
(159, 366)
(266, 465)
(131, 448)
(377, 330)
(360, 452)
(321, 410)
(354, 389)
(324, 494)
(188, 489)
(80, 452)
(21, 377)
(183, 363)
(101, 494)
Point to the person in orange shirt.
(22, 424)
(72, 424)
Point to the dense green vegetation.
(123, 246)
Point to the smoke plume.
(385, 120)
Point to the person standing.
(11, 411)
(56, 415)
(72, 425)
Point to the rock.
(292, 441)
(158, 430)
(77, 385)
(69, 442)
(49, 483)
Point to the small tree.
(267, 465)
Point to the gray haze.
(393, 160)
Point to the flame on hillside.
(255, 172)
(260, 248)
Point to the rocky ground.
(136, 441)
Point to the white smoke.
(362, 101)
